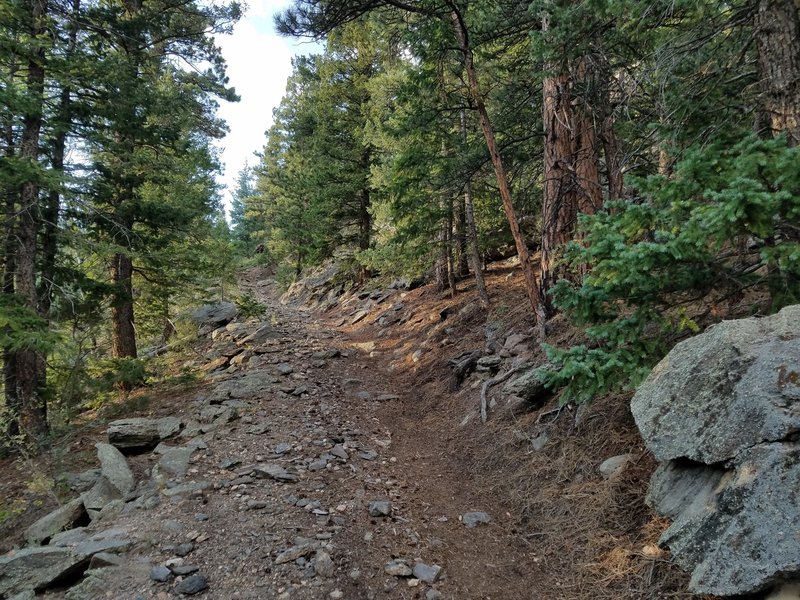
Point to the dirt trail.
(286, 495)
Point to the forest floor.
(362, 414)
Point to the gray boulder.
(38, 569)
(529, 386)
(140, 433)
(723, 391)
(64, 517)
(722, 413)
(215, 315)
(101, 495)
(115, 468)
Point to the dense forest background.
(640, 159)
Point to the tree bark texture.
(33, 411)
(778, 40)
(123, 338)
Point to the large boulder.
(215, 315)
(66, 516)
(722, 412)
(38, 569)
(141, 434)
(115, 468)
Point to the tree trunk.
(364, 230)
(33, 411)
(9, 267)
(778, 41)
(472, 230)
(123, 338)
(560, 200)
(441, 258)
(448, 246)
(531, 284)
(616, 181)
(460, 237)
(587, 167)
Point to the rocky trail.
(303, 470)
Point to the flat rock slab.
(64, 517)
(140, 433)
(38, 569)
(101, 495)
(115, 468)
(295, 552)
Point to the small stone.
(339, 452)
(183, 549)
(161, 574)
(427, 573)
(256, 504)
(433, 595)
(230, 463)
(285, 369)
(611, 467)
(192, 585)
(283, 448)
(473, 519)
(183, 570)
(398, 568)
(380, 508)
(200, 517)
(367, 455)
(336, 595)
(324, 565)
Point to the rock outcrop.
(722, 413)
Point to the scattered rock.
(323, 564)
(473, 519)
(175, 461)
(486, 364)
(102, 560)
(284, 369)
(193, 584)
(398, 568)
(611, 467)
(339, 452)
(160, 573)
(427, 573)
(295, 552)
(380, 508)
(529, 386)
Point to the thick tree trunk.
(123, 332)
(560, 200)
(587, 164)
(778, 40)
(531, 284)
(472, 230)
(33, 411)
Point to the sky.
(259, 63)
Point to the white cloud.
(259, 63)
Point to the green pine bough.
(724, 227)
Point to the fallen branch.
(494, 381)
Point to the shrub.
(726, 222)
